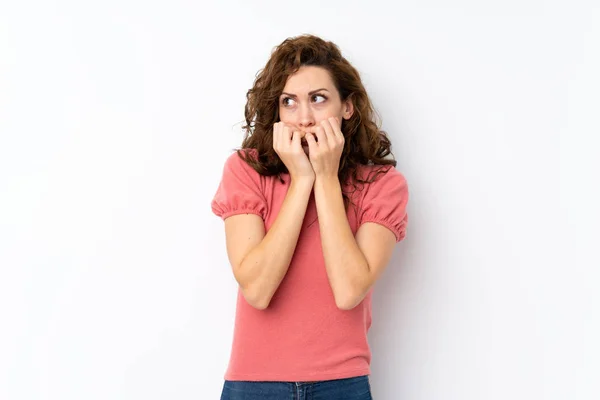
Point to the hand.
(288, 147)
(325, 154)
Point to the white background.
(116, 118)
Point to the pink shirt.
(302, 335)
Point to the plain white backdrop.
(116, 118)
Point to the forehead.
(308, 78)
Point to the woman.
(313, 207)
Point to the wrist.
(302, 182)
(327, 181)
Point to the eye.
(321, 96)
(285, 102)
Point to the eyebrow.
(309, 93)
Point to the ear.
(348, 108)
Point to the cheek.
(327, 116)
(324, 116)
(286, 116)
(328, 112)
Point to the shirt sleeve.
(239, 191)
(385, 202)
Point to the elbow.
(256, 299)
(350, 296)
(349, 293)
(346, 305)
(254, 295)
(259, 304)
(347, 301)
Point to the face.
(310, 96)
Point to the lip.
(303, 141)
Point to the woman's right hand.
(287, 145)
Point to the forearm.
(263, 269)
(347, 268)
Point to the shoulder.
(238, 163)
(240, 157)
(240, 189)
(384, 198)
(380, 177)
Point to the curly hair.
(365, 143)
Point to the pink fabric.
(302, 335)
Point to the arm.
(353, 265)
(260, 261)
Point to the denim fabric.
(357, 388)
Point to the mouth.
(304, 143)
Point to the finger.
(312, 143)
(335, 125)
(287, 136)
(296, 143)
(328, 128)
(320, 134)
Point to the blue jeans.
(357, 388)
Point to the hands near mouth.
(325, 143)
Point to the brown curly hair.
(365, 143)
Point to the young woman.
(313, 207)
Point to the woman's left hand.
(325, 153)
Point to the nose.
(306, 117)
